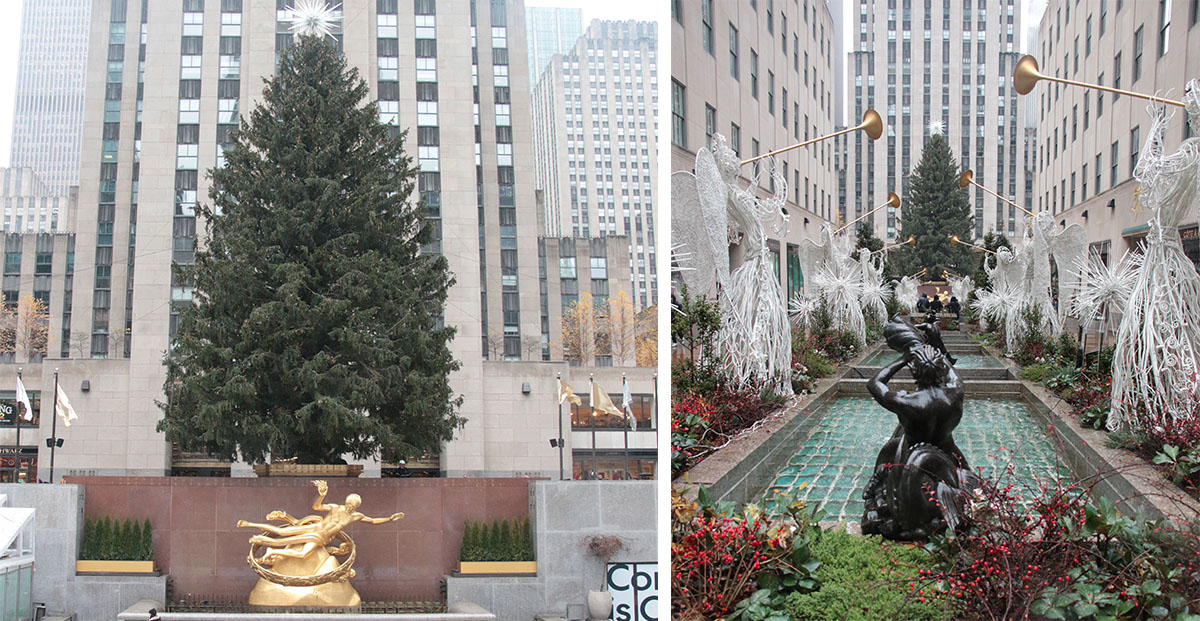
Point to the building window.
(1137, 53)
(733, 51)
(1087, 45)
(710, 123)
(1194, 14)
(753, 73)
(735, 139)
(1164, 26)
(1116, 151)
(771, 93)
(1117, 74)
(1103, 15)
(678, 127)
(1134, 145)
(1099, 169)
(677, 10)
(706, 28)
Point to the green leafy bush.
(1039, 372)
(109, 540)
(498, 541)
(864, 578)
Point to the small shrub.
(863, 578)
(721, 555)
(1038, 372)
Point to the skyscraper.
(595, 138)
(936, 65)
(48, 110)
(443, 71)
(549, 31)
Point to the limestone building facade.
(761, 73)
(166, 84)
(1089, 140)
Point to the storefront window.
(582, 417)
(609, 465)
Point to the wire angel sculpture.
(1104, 290)
(961, 287)
(710, 211)
(1011, 266)
(874, 294)
(800, 310)
(1040, 246)
(700, 222)
(841, 288)
(1158, 341)
(906, 293)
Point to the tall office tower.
(1089, 141)
(595, 138)
(48, 109)
(760, 73)
(448, 71)
(937, 65)
(30, 206)
(550, 31)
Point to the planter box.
(308, 470)
(115, 567)
(497, 567)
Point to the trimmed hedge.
(497, 542)
(110, 540)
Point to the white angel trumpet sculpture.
(906, 293)
(1158, 341)
(874, 294)
(709, 211)
(961, 287)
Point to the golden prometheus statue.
(298, 565)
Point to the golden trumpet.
(911, 240)
(892, 200)
(871, 123)
(955, 240)
(968, 178)
(1026, 76)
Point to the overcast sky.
(10, 35)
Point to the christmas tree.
(936, 208)
(316, 330)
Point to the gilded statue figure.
(298, 566)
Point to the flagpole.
(625, 431)
(561, 476)
(17, 413)
(591, 398)
(54, 427)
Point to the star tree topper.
(313, 17)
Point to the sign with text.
(634, 588)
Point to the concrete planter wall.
(308, 470)
(467, 568)
(114, 567)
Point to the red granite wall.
(196, 542)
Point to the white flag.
(62, 407)
(23, 399)
(626, 402)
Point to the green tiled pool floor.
(838, 458)
(965, 361)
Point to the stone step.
(978, 388)
(971, 374)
